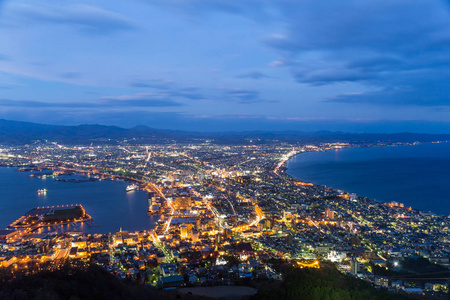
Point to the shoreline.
(98, 209)
(283, 172)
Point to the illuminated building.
(194, 236)
(354, 266)
(182, 202)
(330, 214)
(185, 231)
(268, 223)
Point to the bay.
(106, 201)
(417, 175)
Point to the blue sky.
(366, 65)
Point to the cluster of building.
(225, 212)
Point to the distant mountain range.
(15, 132)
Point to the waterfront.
(414, 175)
(106, 201)
(231, 219)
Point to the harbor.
(106, 201)
(47, 219)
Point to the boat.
(42, 191)
(132, 187)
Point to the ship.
(42, 191)
(132, 187)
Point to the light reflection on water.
(106, 201)
(414, 175)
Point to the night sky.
(216, 65)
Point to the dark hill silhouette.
(15, 132)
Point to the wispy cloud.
(170, 89)
(125, 101)
(152, 83)
(211, 58)
(167, 88)
(245, 96)
(390, 45)
(88, 19)
(253, 75)
(139, 100)
(70, 75)
(431, 92)
(255, 9)
(377, 43)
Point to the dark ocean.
(418, 176)
(106, 201)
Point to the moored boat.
(132, 187)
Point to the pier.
(51, 217)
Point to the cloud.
(151, 83)
(70, 75)
(396, 26)
(391, 45)
(329, 75)
(190, 93)
(27, 104)
(277, 63)
(139, 100)
(254, 9)
(253, 75)
(425, 92)
(167, 88)
(245, 96)
(124, 101)
(86, 18)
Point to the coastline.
(105, 200)
(283, 167)
(284, 172)
(288, 220)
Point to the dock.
(50, 217)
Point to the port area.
(49, 217)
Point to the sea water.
(416, 175)
(106, 201)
